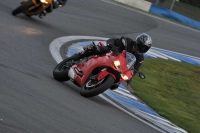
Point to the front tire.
(100, 88)
(23, 7)
(60, 72)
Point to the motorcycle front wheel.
(23, 7)
(92, 89)
(61, 70)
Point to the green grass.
(172, 89)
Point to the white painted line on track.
(129, 113)
(164, 55)
(159, 120)
(197, 58)
(57, 43)
(125, 93)
(151, 55)
(55, 52)
(77, 47)
(163, 122)
(157, 55)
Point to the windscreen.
(130, 60)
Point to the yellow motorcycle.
(32, 7)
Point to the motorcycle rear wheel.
(23, 7)
(100, 88)
(59, 72)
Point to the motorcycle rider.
(55, 4)
(138, 47)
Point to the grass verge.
(172, 89)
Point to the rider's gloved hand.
(110, 45)
(115, 50)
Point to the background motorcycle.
(32, 7)
(95, 74)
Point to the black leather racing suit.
(131, 47)
(113, 44)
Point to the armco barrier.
(140, 4)
(155, 9)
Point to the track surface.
(31, 101)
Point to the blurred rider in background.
(138, 47)
(55, 4)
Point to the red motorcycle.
(96, 74)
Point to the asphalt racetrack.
(31, 101)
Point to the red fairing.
(107, 61)
(104, 74)
(129, 74)
(95, 74)
(123, 64)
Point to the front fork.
(103, 74)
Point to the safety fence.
(164, 11)
(179, 7)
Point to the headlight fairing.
(117, 65)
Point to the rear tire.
(107, 83)
(59, 73)
(23, 7)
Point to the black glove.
(115, 50)
(110, 45)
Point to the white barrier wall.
(140, 4)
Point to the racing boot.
(88, 50)
(77, 56)
(42, 14)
